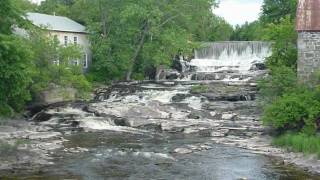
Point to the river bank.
(147, 111)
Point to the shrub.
(298, 110)
(281, 80)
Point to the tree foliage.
(54, 63)
(130, 37)
(27, 64)
(284, 38)
(248, 32)
(274, 10)
(15, 74)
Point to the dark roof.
(55, 23)
(308, 15)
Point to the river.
(168, 129)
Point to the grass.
(299, 143)
(200, 89)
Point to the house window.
(75, 62)
(65, 40)
(85, 61)
(75, 40)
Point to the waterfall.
(230, 55)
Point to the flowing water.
(162, 131)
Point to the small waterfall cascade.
(230, 55)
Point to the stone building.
(308, 27)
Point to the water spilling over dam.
(234, 55)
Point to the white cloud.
(239, 11)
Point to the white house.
(66, 31)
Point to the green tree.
(274, 10)
(25, 5)
(15, 74)
(15, 61)
(58, 7)
(284, 38)
(142, 33)
(55, 64)
(10, 15)
(248, 32)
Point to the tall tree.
(15, 61)
(58, 7)
(274, 10)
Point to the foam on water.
(149, 155)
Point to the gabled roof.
(308, 15)
(55, 23)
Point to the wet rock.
(176, 130)
(44, 135)
(153, 126)
(182, 151)
(180, 97)
(229, 97)
(89, 109)
(194, 115)
(205, 132)
(208, 76)
(229, 116)
(121, 122)
(173, 75)
(258, 66)
(42, 116)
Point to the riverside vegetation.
(131, 38)
(291, 108)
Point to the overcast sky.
(234, 11)
(239, 11)
(36, 1)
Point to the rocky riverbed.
(163, 125)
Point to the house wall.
(83, 41)
(308, 54)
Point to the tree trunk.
(103, 16)
(137, 51)
(159, 70)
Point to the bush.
(299, 143)
(294, 111)
(281, 80)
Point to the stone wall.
(308, 54)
